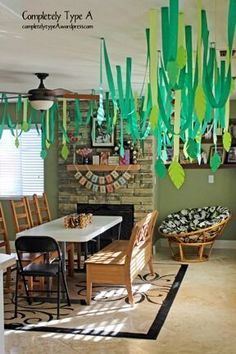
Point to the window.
(22, 168)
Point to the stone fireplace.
(138, 192)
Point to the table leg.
(63, 256)
(119, 230)
(2, 350)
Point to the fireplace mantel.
(103, 168)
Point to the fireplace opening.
(124, 210)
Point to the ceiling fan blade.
(15, 93)
(81, 96)
(60, 92)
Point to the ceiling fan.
(42, 98)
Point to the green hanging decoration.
(78, 118)
(176, 173)
(100, 112)
(160, 168)
(227, 141)
(65, 151)
(17, 143)
(215, 162)
(25, 125)
(192, 148)
(200, 103)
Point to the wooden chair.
(32, 211)
(4, 242)
(42, 208)
(122, 260)
(43, 213)
(22, 222)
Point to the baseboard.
(223, 244)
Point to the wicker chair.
(187, 229)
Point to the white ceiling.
(72, 57)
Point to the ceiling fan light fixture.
(41, 105)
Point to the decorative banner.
(103, 184)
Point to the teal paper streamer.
(109, 74)
(52, 126)
(173, 29)
(231, 24)
(78, 118)
(165, 34)
(147, 60)
(128, 88)
(90, 112)
(43, 153)
(122, 109)
(120, 91)
(4, 102)
(108, 115)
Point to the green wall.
(197, 192)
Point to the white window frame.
(15, 161)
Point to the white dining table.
(57, 230)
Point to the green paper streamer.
(215, 162)
(200, 103)
(160, 169)
(153, 66)
(78, 118)
(109, 74)
(192, 149)
(173, 30)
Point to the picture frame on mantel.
(100, 136)
(231, 156)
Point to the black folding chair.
(46, 245)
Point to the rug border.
(152, 333)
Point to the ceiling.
(72, 57)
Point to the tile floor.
(201, 320)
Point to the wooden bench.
(122, 260)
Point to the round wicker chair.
(195, 228)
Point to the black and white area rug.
(109, 313)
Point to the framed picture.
(100, 136)
(231, 156)
(220, 151)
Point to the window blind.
(22, 168)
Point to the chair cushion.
(188, 220)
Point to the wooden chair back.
(32, 211)
(42, 207)
(142, 235)
(4, 239)
(20, 214)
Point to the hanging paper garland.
(103, 184)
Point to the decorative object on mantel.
(73, 140)
(85, 155)
(103, 184)
(77, 220)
